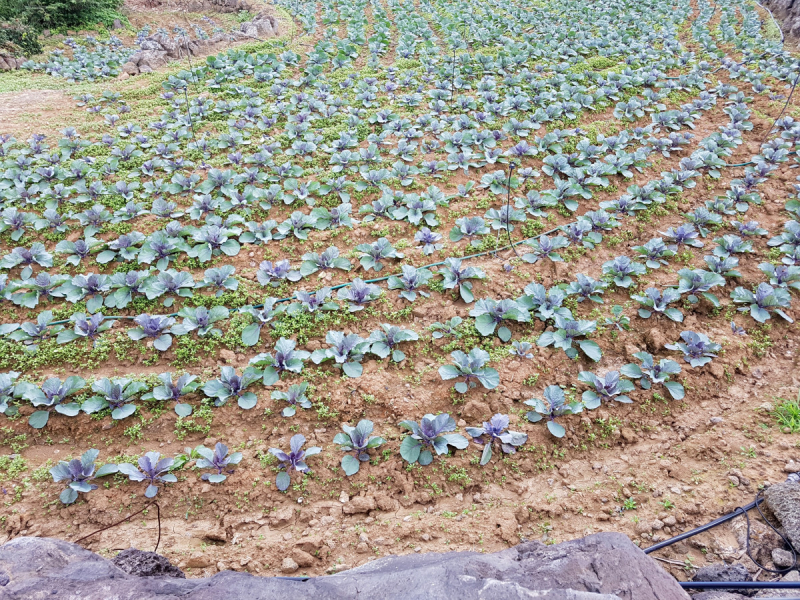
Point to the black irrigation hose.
(740, 510)
(693, 532)
(128, 518)
(734, 585)
(758, 502)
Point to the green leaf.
(486, 456)
(68, 496)
(410, 449)
(591, 349)
(39, 419)
(425, 458)
(350, 464)
(353, 369)
(282, 481)
(675, 389)
(247, 401)
(251, 334)
(485, 324)
(556, 429)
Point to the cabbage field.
(417, 275)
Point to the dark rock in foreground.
(146, 564)
(605, 566)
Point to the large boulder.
(9, 63)
(604, 566)
(788, 12)
(783, 499)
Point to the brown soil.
(681, 463)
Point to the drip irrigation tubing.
(129, 517)
(739, 511)
(735, 585)
(493, 252)
(377, 280)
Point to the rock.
(131, 68)
(782, 559)
(724, 572)
(643, 527)
(198, 561)
(289, 565)
(359, 504)
(150, 59)
(117, 24)
(362, 548)
(150, 45)
(302, 558)
(783, 499)
(228, 356)
(655, 340)
(282, 517)
(208, 530)
(474, 409)
(629, 435)
(605, 566)
(310, 544)
(146, 564)
(385, 502)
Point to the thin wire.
(348, 283)
(158, 512)
(783, 110)
(511, 166)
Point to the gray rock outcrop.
(783, 500)
(9, 63)
(788, 12)
(604, 566)
(157, 50)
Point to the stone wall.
(157, 50)
(604, 566)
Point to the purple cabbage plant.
(295, 396)
(174, 391)
(697, 349)
(346, 350)
(293, 461)
(116, 394)
(79, 473)
(472, 369)
(358, 441)
(609, 388)
(553, 405)
(495, 432)
(153, 469)
(650, 373)
(218, 461)
(428, 436)
(286, 359)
